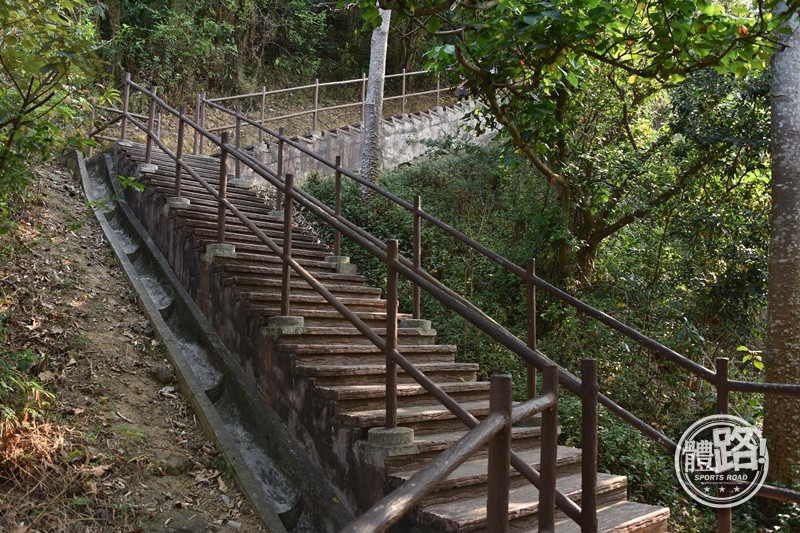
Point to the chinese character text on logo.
(721, 461)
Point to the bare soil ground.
(119, 450)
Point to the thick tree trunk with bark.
(373, 105)
(782, 361)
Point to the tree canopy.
(577, 88)
(45, 59)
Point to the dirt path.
(121, 450)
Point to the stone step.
(469, 513)
(331, 354)
(326, 375)
(350, 398)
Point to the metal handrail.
(564, 503)
(396, 504)
(451, 299)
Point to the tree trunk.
(782, 358)
(373, 105)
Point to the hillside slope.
(119, 449)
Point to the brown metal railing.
(423, 281)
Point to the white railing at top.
(258, 101)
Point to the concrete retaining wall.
(402, 141)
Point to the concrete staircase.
(326, 380)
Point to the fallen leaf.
(46, 376)
(168, 392)
(100, 470)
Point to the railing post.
(262, 113)
(549, 453)
(179, 153)
(278, 193)
(403, 93)
(238, 172)
(202, 121)
(287, 246)
(91, 129)
(337, 236)
(158, 125)
(150, 118)
(417, 295)
(126, 94)
(530, 291)
(724, 516)
(499, 457)
(589, 446)
(223, 187)
(197, 105)
(391, 333)
(363, 97)
(438, 87)
(316, 104)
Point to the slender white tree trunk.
(782, 358)
(373, 105)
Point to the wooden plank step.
(469, 514)
(311, 300)
(625, 517)
(323, 375)
(311, 354)
(244, 236)
(298, 252)
(265, 270)
(350, 335)
(137, 151)
(244, 199)
(201, 217)
(430, 446)
(470, 478)
(312, 266)
(319, 317)
(208, 209)
(424, 420)
(474, 470)
(360, 397)
(254, 284)
(163, 185)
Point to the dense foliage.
(45, 69)
(567, 79)
(234, 47)
(693, 278)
